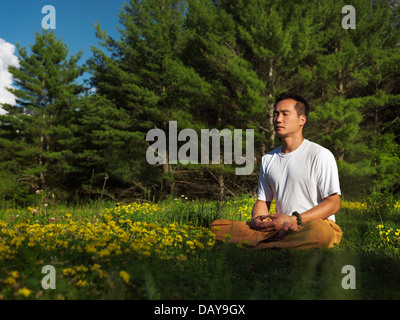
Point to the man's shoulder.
(308, 145)
(310, 149)
(276, 150)
(316, 150)
(271, 153)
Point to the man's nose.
(278, 118)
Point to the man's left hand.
(278, 221)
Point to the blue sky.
(20, 19)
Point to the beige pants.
(314, 234)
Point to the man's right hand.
(262, 222)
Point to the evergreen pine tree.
(36, 134)
(146, 81)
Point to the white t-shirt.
(298, 180)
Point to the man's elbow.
(335, 203)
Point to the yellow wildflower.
(245, 243)
(95, 267)
(68, 272)
(107, 216)
(125, 276)
(24, 292)
(15, 274)
(182, 257)
(10, 281)
(82, 283)
(146, 253)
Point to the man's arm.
(260, 208)
(259, 213)
(327, 207)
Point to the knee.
(321, 233)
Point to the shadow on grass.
(242, 273)
(231, 272)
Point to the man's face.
(286, 121)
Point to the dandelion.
(182, 257)
(24, 292)
(125, 276)
(81, 269)
(10, 281)
(211, 242)
(68, 272)
(146, 253)
(95, 267)
(82, 283)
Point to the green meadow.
(166, 251)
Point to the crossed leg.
(314, 234)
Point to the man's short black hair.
(301, 106)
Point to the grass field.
(166, 251)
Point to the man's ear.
(303, 119)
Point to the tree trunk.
(271, 107)
(167, 187)
(339, 75)
(221, 186)
(41, 162)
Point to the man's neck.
(290, 144)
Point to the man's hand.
(261, 223)
(272, 222)
(287, 228)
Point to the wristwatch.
(298, 217)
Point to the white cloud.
(7, 58)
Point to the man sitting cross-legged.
(303, 178)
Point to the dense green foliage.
(205, 64)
